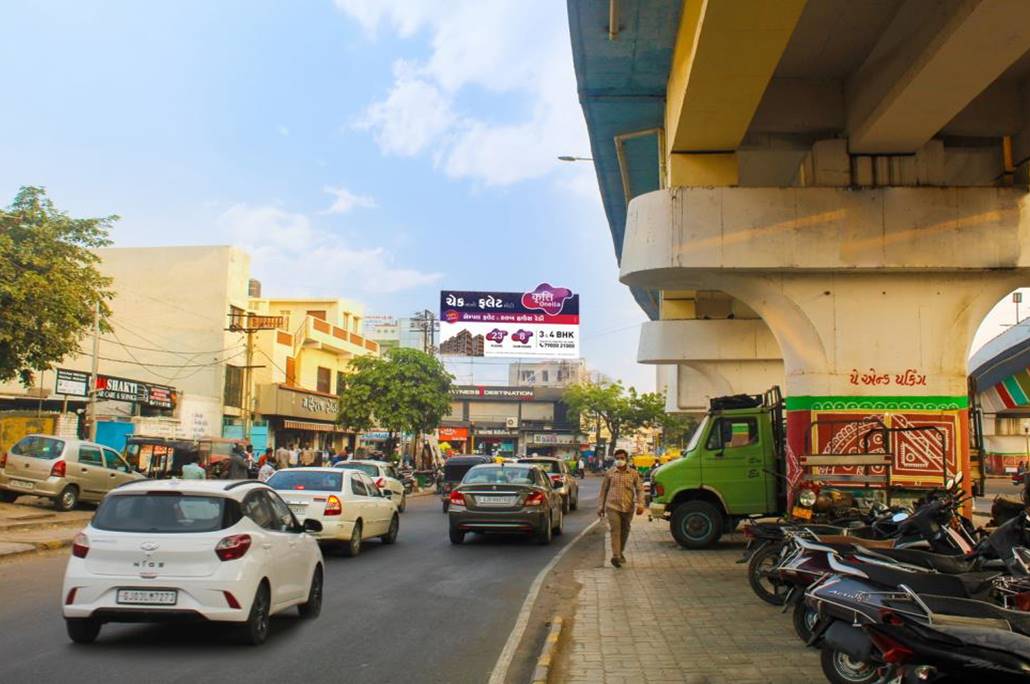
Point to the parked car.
(65, 471)
(506, 499)
(385, 476)
(206, 550)
(454, 469)
(348, 504)
(561, 478)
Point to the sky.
(377, 150)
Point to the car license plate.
(802, 512)
(147, 597)
(22, 484)
(495, 500)
(298, 508)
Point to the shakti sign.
(76, 384)
(543, 322)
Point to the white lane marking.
(500, 671)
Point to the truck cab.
(732, 468)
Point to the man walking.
(622, 492)
(238, 463)
(282, 457)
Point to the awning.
(308, 425)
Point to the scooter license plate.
(802, 512)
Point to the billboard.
(543, 322)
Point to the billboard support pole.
(93, 377)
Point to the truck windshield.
(696, 437)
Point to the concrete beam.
(664, 342)
(725, 54)
(928, 66)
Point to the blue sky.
(379, 150)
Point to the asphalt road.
(420, 611)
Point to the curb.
(38, 547)
(547, 654)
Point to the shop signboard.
(551, 438)
(289, 402)
(76, 384)
(487, 392)
(452, 434)
(543, 322)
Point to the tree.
(677, 429)
(621, 410)
(50, 285)
(406, 390)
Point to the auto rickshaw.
(454, 469)
(160, 458)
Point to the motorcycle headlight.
(806, 498)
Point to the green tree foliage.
(677, 429)
(622, 410)
(406, 390)
(49, 283)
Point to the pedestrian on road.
(294, 456)
(266, 471)
(581, 468)
(250, 455)
(282, 457)
(238, 464)
(622, 491)
(192, 470)
(265, 457)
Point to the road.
(420, 611)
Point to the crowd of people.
(244, 464)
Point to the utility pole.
(93, 376)
(424, 322)
(249, 323)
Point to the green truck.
(732, 468)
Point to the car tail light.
(231, 548)
(70, 598)
(457, 498)
(380, 482)
(231, 600)
(555, 478)
(80, 545)
(58, 470)
(332, 506)
(535, 499)
(659, 489)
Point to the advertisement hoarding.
(76, 384)
(543, 322)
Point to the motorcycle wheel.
(765, 587)
(804, 619)
(840, 668)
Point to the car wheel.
(82, 630)
(575, 502)
(404, 503)
(543, 535)
(313, 606)
(457, 536)
(8, 497)
(560, 527)
(255, 630)
(566, 504)
(696, 524)
(391, 536)
(67, 499)
(353, 547)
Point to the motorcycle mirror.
(899, 517)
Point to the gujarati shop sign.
(543, 322)
(76, 384)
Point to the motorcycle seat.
(1010, 501)
(951, 565)
(946, 608)
(847, 540)
(972, 584)
(995, 639)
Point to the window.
(90, 455)
(317, 313)
(283, 520)
(357, 486)
(291, 371)
(544, 376)
(538, 410)
(233, 394)
(113, 461)
(306, 480)
(366, 468)
(257, 508)
(500, 475)
(165, 513)
(33, 446)
(324, 380)
(340, 382)
(732, 433)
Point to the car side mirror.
(312, 525)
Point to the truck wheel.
(696, 524)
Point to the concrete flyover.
(853, 174)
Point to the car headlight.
(806, 498)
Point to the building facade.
(548, 373)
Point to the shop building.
(512, 421)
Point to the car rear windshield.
(36, 446)
(548, 466)
(166, 512)
(300, 479)
(505, 475)
(367, 468)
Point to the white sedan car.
(385, 477)
(347, 503)
(206, 550)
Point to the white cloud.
(347, 200)
(293, 258)
(496, 46)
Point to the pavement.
(672, 615)
(31, 525)
(421, 610)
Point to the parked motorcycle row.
(902, 595)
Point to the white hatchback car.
(171, 550)
(384, 475)
(346, 502)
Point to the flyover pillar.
(872, 295)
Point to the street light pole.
(93, 376)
